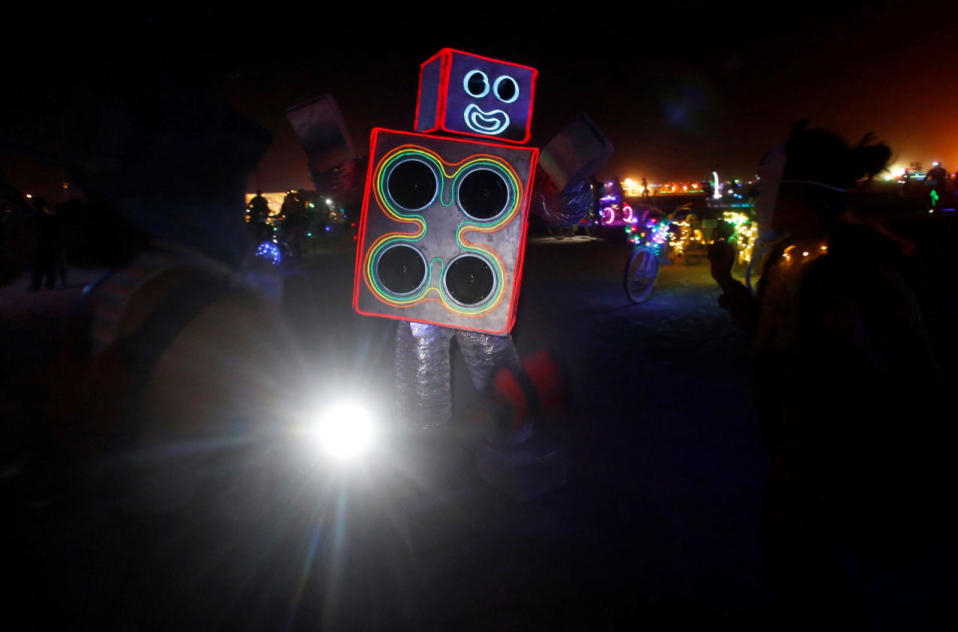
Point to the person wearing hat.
(177, 347)
(840, 360)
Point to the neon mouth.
(481, 122)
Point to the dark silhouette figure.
(937, 180)
(936, 176)
(16, 214)
(47, 260)
(161, 352)
(841, 359)
(258, 209)
(645, 191)
(295, 219)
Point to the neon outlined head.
(469, 94)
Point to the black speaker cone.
(401, 269)
(483, 194)
(470, 280)
(411, 184)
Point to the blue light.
(270, 251)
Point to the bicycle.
(650, 238)
(641, 272)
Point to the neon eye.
(476, 84)
(506, 89)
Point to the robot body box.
(466, 94)
(442, 232)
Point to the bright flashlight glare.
(344, 431)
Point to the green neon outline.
(483, 252)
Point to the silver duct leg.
(405, 372)
(423, 369)
(512, 459)
(423, 374)
(484, 354)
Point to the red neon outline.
(483, 57)
(422, 68)
(520, 255)
(444, 69)
(501, 332)
(373, 137)
(454, 140)
(444, 93)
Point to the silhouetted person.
(258, 208)
(937, 180)
(62, 266)
(16, 213)
(845, 384)
(47, 259)
(645, 190)
(936, 176)
(176, 347)
(294, 222)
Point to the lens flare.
(344, 431)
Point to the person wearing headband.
(840, 358)
(802, 194)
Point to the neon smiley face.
(482, 122)
(492, 122)
(468, 94)
(476, 85)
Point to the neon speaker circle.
(469, 280)
(401, 269)
(484, 194)
(412, 184)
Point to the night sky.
(680, 90)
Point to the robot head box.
(442, 230)
(467, 94)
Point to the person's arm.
(741, 304)
(736, 298)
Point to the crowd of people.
(298, 221)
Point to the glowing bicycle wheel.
(640, 274)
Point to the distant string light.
(744, 234)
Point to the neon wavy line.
(389, 239)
